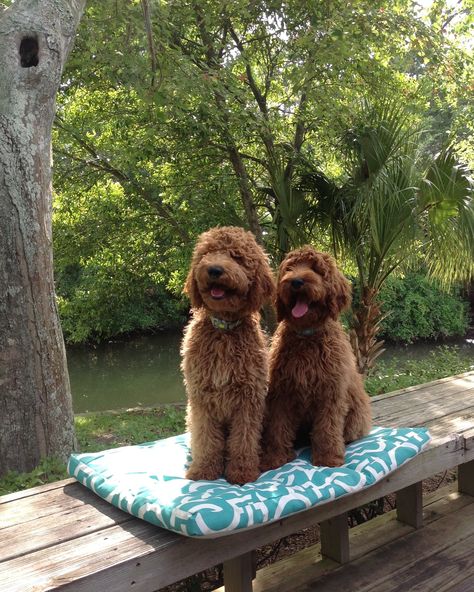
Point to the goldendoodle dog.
(314, 387)
(225, 359)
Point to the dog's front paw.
(208, 473)
(327, 460)
(241, 475)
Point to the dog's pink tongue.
(299, 309)
(217, 292)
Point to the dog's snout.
(297, 283)
(215, 271)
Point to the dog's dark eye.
(318, 270)
(237, 258)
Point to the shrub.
(420, 309)
(98, 303)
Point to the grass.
(98, 431)
(390, 376)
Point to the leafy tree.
(212, 114)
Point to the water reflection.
(144, 371)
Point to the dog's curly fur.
(314, 384)
(226, 370)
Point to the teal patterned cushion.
(148, 481)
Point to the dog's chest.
(305, 365)
(214, 360)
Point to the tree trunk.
(36, 417)
(245, 192)
(366, 319)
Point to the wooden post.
(410, 505)
(239, 573)
(466, 478)
(334, 535)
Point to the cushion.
(148, 481)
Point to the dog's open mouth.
(217, 292)
(299, 309)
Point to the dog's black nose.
(297, 283)
(215, 271)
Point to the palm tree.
(396, 202)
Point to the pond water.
(144, 371)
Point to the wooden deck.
(389, 556)
(63, 537)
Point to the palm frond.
(446, 196)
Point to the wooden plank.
(466, 380)
(334, 535)
(56, 566)
(111, 558)
(131, 552)
(378, 570)
(308, 564)
(10, 497)
(454, 423)
(422, 413)
(410, 505)
(438, 572)
(60, 527)
(417, 399)
(28, 508)
(466, 478)
(466, 585)
(239, 573)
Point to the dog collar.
(308, 332)
(225, 325)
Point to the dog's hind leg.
(359, 418)
(281, 425)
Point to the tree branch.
(102, 163)
(150, 39)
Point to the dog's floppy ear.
(339, 290)
(280, 309)
(263, 288)
(192, 291)
(279, 304)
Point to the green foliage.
(420, 309)
(219, 115)
(443, 361)
(110, 279)
(47, 471)
(104, 303)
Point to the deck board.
(308, 565)
(30, 508)
(389, 568)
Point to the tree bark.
(366, 319)
(36, 417)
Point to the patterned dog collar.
(225, 325)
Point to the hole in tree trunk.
(29, 49)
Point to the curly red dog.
(225, 359)
(314, 385)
